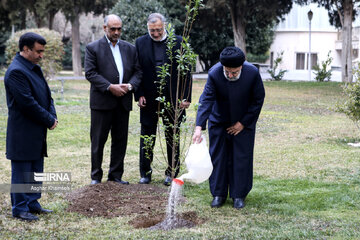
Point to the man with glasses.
(231, 103)
(151, 49)
(112, 68)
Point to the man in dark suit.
(232, 100)
(112, 68)
(31, 112)
(151, 49)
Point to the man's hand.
(197, 135)
(125, 87)
(184, 104)
(235, 129)
(54, 125)
(142, 102)
(118, 89)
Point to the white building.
(292, 37)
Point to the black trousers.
(146, 154)
(232, 159)
(21, 173)
(102, 122)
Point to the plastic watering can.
(198, 164)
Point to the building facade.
(294, 38)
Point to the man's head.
(32, 47)
(112, 27)
(156, 26)
(232, 59)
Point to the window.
(300, 60)
(271, 59)
(313, 60)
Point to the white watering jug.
(198, 163)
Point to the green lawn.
(306, 177)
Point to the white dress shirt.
(117, 57)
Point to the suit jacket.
(101, 71)
(31, 110)
(226, 102)
(149, 87)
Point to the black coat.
(225, 102)
(31, 110)
(149, 88)
(101, 71)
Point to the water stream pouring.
(199, 166)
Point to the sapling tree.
(323, 71)
(184, 59)
(275, 73)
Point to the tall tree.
(72, 10)
(5, 29)
(16, 12)
(212, 31)
(265, 11)
(43, 11)
(341, 13)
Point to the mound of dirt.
(146, 202)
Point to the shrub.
(51, 63)
(322, 73)
(277, 75)
(351, 106)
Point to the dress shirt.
(117, 57)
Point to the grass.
(306, 177)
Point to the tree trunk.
(76, 54)
(238, 24)
(346, 53)
(51, 19)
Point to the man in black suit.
(112, 68)
(232, 100)
(31, 113)
(151, 49)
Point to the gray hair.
(111, 16)
(154, 17)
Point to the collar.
(26, 62)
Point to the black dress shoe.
(119, 181)
(239, 203)
(217, 202)
(41, 211)
(145, 180)
(167, 181)
(94, 182)
(26, 216)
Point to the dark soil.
(146, 202)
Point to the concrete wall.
(292, 42)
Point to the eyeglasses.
(113, 29)
(158, 30)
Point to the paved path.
(294, 75)
(62, 78)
